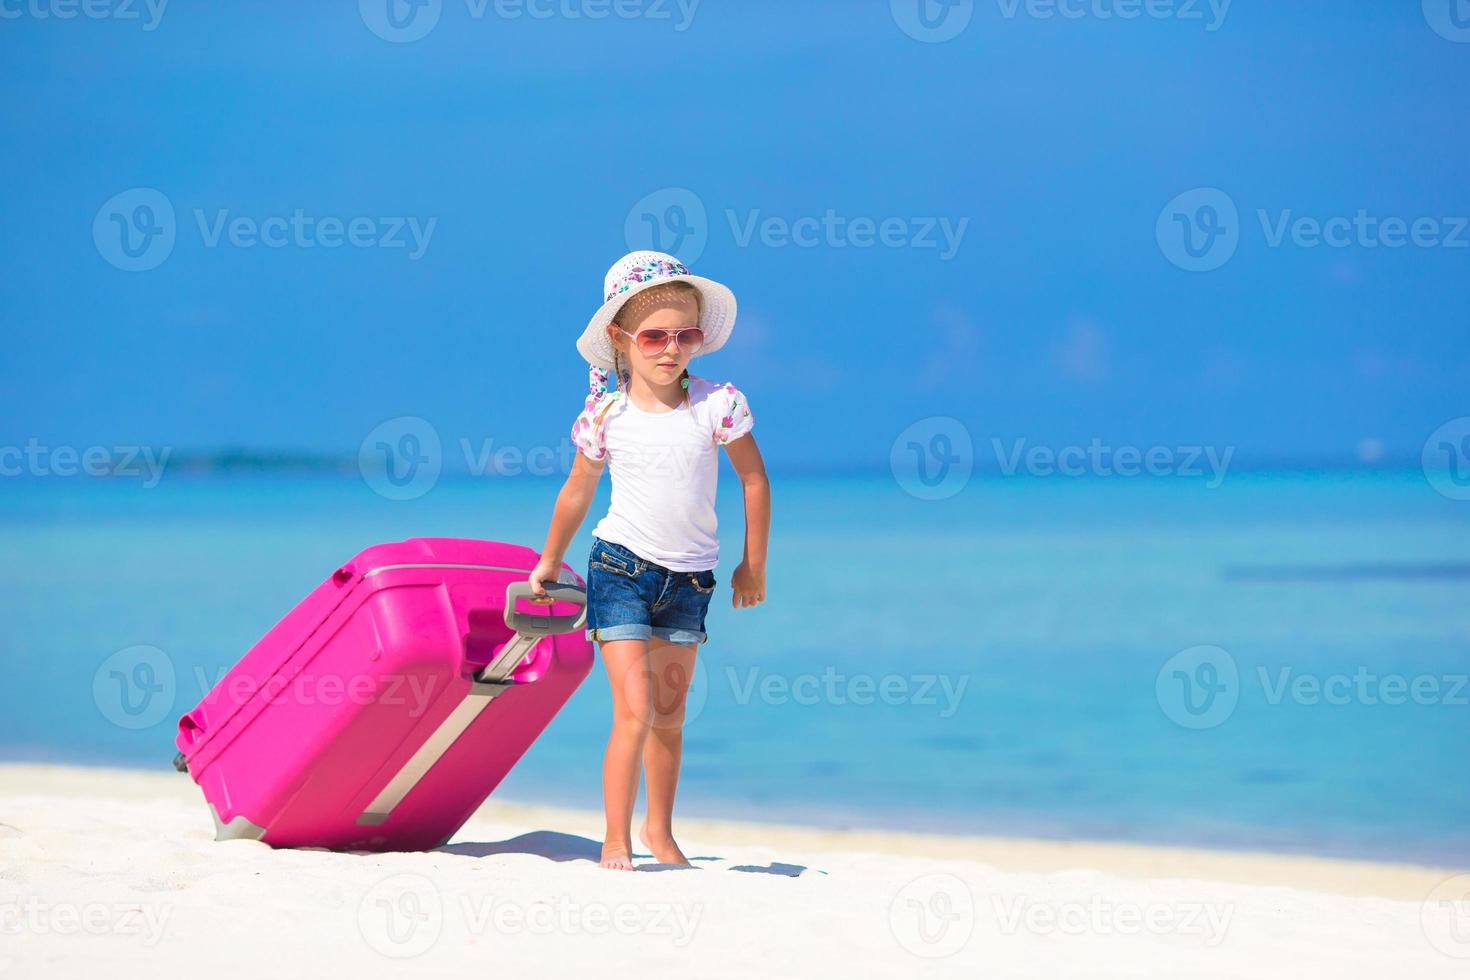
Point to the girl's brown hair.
(644, 297)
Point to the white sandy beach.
(119, 869)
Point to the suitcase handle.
(538, 626)
(528, 629)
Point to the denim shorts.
(632, 598)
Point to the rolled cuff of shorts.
(627, 631)
(641, 631)
(671, 634)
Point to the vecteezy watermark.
(1363, 686)
(1200, 230)
(1446, 459)
(832, 230)
(404, 21)
(135, 687)
(326, 688)
(403, 458)
(136, 230)
(933, 21)
(564, 915)
(36, 459)
(32, 916)
(1208, 13)
(1200, 687)
(405, 915)
(1450, 19)
(675, 220)
(933, 916)
(1100, 916)
(148, 12)
(932, 459)
(1099, 459)
(1445, 917)
(942, 692)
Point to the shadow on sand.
(555, 846)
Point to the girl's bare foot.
(617, 855)
(663, 846)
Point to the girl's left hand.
(748, 585)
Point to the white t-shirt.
(664, 469)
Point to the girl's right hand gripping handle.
(528, 624)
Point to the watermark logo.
(402, 916)
(1450, 19)
(1199, 230)
(669, 694)
(934, 916)
(400, 21)
(1445, 917)
(1199, 687)
(671, 220)
(1446, 459)
(404, 457)
(932, 21)
(932, 459)
(401, 458)
(135, 687)
(135, 230)
(406, 915)
(150, 12)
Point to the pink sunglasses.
(651, 343)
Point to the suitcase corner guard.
(239, 827)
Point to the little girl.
(650, 573)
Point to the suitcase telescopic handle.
(528, 624)
(528, 629)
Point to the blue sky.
(1051, 147)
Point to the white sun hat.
(642, 270)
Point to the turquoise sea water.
(995, 662)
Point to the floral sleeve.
(734, 418)
(588, 434)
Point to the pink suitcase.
(384, 709)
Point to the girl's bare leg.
(672, 667)
(627, 673)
